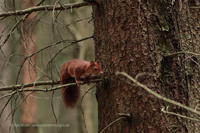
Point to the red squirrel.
(77, 68)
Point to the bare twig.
(46, 7)
(82, 108)
(68, 46)
(182, 52)
(29, 56)
(195, 7)
(54, 114)
(10, 94)
(41, 83)
(19, 104)
(8, 35)
(112, 123)
(157, 95)
(6, 105)
(172, 113)
(14, 27)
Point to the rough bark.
(124, 41)
(137, 37)
(188, 20)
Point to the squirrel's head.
(95, 68)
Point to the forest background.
(52, 36)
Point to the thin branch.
(8, 95)
(19, 104)
(63, 41)
(46, 7)
(182, 52)
(40, 2)
(80, 20)
(29, 56)
(8, 35)
(54, 114)
(8, 100)
(195, 7)
(157, 95)
(112, 123)
(172, 113)
(41, 83)
(14, 27)
(74, 42)
(82, 108)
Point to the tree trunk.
(188, 21)
(138, 37)
(29, 72)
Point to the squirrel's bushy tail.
(71, 94)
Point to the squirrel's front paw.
(79, 83)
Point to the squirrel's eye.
(95, 68)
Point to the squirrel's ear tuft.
(92, 63)
(97, 61)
